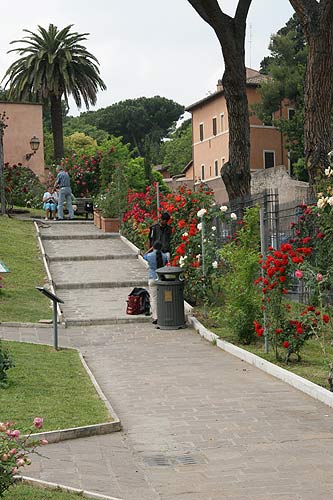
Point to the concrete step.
(139, 318)
(77, 258)
(99, 236)
(101, 284)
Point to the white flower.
(198, 257)
(215, 264)
(233, 216)
(199, 226)
(185, 234)
(330, 201)
(213, 228)
(322, 202)
(201, 212)
(224, 208)
(182, 260)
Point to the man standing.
(63, 183)
(161, 232)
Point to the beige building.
(25, 121)
(211, 136)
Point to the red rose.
(285, 344)
(326, 318)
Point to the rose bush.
(22, 186)
(15, 450)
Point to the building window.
(269, 121)
(216, 168)
(291, 112)
(214, 126)
(201, 131)
(202, 172)
(222, 161)
(269, 159)
(222, 121)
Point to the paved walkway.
(198, 423)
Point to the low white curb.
(54, 486)
(300, 383)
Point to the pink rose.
(38, 423)
(319, 277)
(298, 274)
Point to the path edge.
(296, 381)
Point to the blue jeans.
(65, 193)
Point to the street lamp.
(34, 144)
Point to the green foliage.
(177, 152)
(79, 143)
(74, 124)
(112, 200)
(6, 362)
(142, 122)
(240, 269)
(286, 65)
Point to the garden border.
(86, 430)
(300, 383)
(68, 489)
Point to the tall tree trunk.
(317, 22)
(57, 131)
(231, 35)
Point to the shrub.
(6, 362)
(240, 269)
(22, 186)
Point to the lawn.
(26, 492)
(311, 367)
(19, 300)
(49, 384)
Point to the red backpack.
(138, 302)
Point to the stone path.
(198, 423)
(92, 272)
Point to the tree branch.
(210, 11)
(242, 10)
(304, 8)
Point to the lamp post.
(3, 125)
(34, 144)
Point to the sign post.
(55, 301)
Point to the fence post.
(264, 245)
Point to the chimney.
(219, 86)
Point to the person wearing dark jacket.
(155, 258)
(161, 232)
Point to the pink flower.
(43, 441)
(14, 434)
(298, 274)
(38, 423)
(319, 277)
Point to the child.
(50, 203)
(155, 259)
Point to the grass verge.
(26, 492)
(19, 301)
(49, 384)
(312, 366)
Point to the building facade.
(210, 144)
(25, 120)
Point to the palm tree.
(54, 65)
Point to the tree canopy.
(142, 122)
(53, 64)
(177, 151)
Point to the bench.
(83, 206)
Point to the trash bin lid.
(169, 273)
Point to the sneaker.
(154, 321)
(54, 218)
(46, 218)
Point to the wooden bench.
(83, 206)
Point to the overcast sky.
(145, 47)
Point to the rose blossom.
(224, 208)
(215, 264)
(38, 423)
(201, 212)
(298, 274)
(319, 277)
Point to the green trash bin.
(170, 298)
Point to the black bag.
(138, 302)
